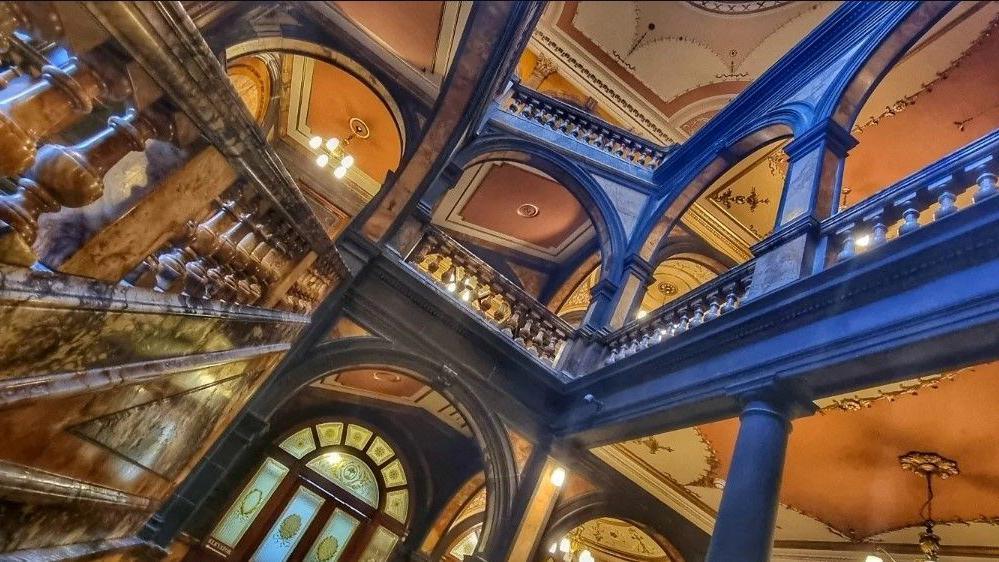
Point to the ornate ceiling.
(842, 480)
(507, 206)
(665, 68)
(398, 388)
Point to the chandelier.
(333, 151)
(927, 465)
(567, 550)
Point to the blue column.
(745, 526)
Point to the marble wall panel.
(62, 324)
(162, 435)
(25, 526)
(166, 424)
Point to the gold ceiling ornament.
(928, 465)
(857, 403)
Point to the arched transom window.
(329, 492)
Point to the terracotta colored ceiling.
(915, 128)
(485, 206)
(842, 479)
(842, 466)
(410, 29)
(336, 96)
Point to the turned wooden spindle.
(59, 96)
(68, 176)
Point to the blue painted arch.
(580, 183)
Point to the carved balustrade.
(479, 287)
(719, 296)
(956, 182)
(581, 126)
(312, 286)
(234, 254)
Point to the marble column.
(613, 305)
(744, 528)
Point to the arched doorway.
(332, 491)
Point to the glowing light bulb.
(314, 142)
(332, 143)
(558, 476)
(347, 161)
(322, 160)
(553, 548)
(563, 545)
(864, 241)
(339, 172)
(872, 558)
(585, 556)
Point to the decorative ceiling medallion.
(667, 288)
(359, 128)
(386, 377)
(730, 7)
(929, 464)
(528, 210)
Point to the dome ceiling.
(842, 480)
(614, 540)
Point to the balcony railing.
(719, 296)
(476, 285)
(936, 192)
(576, 124)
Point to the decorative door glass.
(287, 530)
(380, 547)
(333, 539)
(244, 510)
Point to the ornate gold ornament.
(289, 527)
(327, 549)
(248, 507)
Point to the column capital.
(771, 395)
(826, 132)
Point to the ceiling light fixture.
(928, 465)
(334, 151)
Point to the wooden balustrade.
(312, 286)
(479, 287)
(70, 176)
(234, 254)
(934, 193)
(583, 127)
(719, 296)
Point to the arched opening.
(736, 210)
(316, 93)
(433, 413)
(328, 491)
(937, 98)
